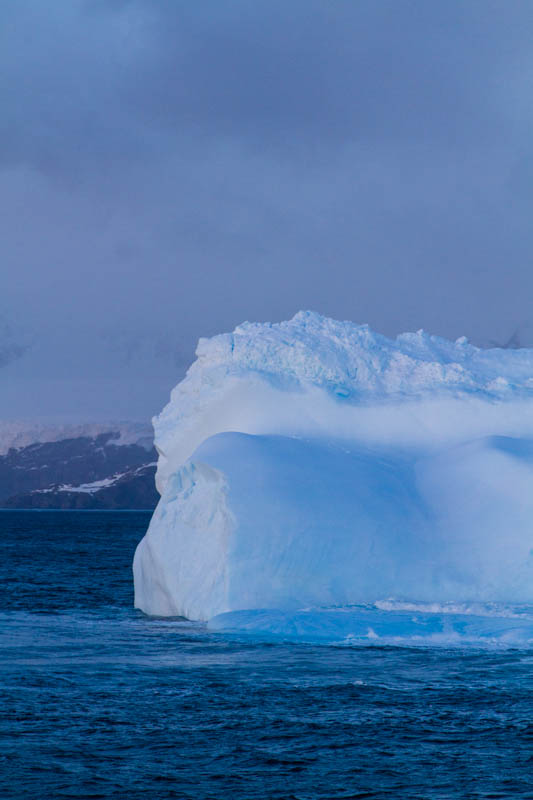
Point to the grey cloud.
(11, 347)
(327, 72)
(137, 348)
(61, 77)
(11, 352)
(110, 83)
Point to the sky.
(172, 168)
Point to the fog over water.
(171, 169)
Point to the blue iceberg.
(314, 465)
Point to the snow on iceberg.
(314, 463)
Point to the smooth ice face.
(279, 522)
(315, 463)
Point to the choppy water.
(98, 701)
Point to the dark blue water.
(98, 701)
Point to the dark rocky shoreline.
(61, 475)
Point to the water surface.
(98, 701)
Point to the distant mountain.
(20, 433)
(78, 467)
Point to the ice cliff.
(315, 463)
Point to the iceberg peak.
(277, 377)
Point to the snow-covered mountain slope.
(77, 467)
(314, 462)
(17, 434)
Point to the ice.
(364, 625)
(314, 463)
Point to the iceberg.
(315, 464)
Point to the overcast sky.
(170, 168)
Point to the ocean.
(99, 701)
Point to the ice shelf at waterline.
(317, 463)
